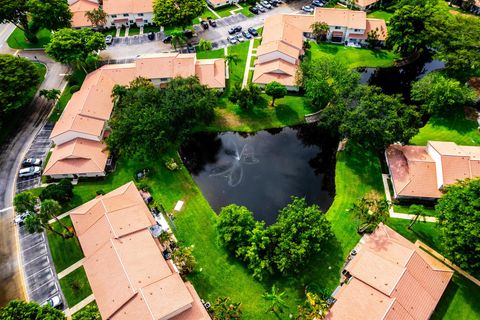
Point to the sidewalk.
(70, 269)
(70, 311)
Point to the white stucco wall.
(132, 19)
(70, 135)
(274, 56)
(438, 164)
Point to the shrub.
(74, 89)
(61, 192)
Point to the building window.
(114, 15)
(145, 21)
(356, 30)
(140, 14)
(125, 14)
(131, 21)
(337, 27)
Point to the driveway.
(137, 45)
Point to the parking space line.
(35, 246)
(43, 285)
(33, 274)
(29, 235)
(43, 255)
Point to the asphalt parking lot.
(40, 279)
(38, 149)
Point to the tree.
(372, 39)
(327, 80)
(18, 76)
(205, 45)
(50, 14)
(320, 30)
(61, 192)
(246, 98)
(184, 260)
(371, 209)
(97, 17)
(50, 94)
(178, 39)
(378, 120)
(16, 12)
(224, 309)
(276, 300)
(258, 255)
(25, 201)
(459, 221)
(50, 209)
(418, 211)
(174, 13)
(439, 94)
(232, 58)
(275, 90)
(147, 120)
(300, 232)
(314, 308)
(18, 309)
(89, 312)
(235, 224)
(72, 46)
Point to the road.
(11, 154)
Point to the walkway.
(398, 215)
(247, 65)
(70, 269)
(214, 12)
(70, 311)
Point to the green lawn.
(76, 78)
(210, 54)
(237, 69)
(353, 57)
(17, 39)
(380, 14)
(110, 31)
(65, 252)
(133, 31)
(75, 286)
(455, 128)
(148, 29)
(403, 208)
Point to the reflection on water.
(263, 170)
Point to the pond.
(263, 170)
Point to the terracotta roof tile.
(78, 9)
(127, 6)
(342, 17)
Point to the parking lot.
(38, 149)
(40, 278)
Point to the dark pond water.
(398, 80)
(263, 170)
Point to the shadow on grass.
(285, 113)
(454, 121)
(379, 54)
(365, 164)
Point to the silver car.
(54, 302)
(29, 172)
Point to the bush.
(171, 164)
(74, 89)
(100, 192)
(61, 192)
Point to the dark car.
(31, 162)
(190, 48)
(231, 31)
(253, 32)
(273, 3)
(167, 39)
(253, 10)
(246, 35)
(188, 33)
(238, 29)
(151, 36)
(212, 22)
(204, 24)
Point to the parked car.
(238, 29)
(54, 302)
(246, 35)
(151, 36)
(109, 39)
(204, 24)
(261, 8)
(266, 4)
(29, 172)
(190, 48)
(231, 31)
(273, 3)
(253, 32)
(19, 218)
(240, 38)
(307, 9)
(188, 33)
(254, 10)
(232, 40)
(212, 22)
(318, 3)
(167, 39)
(32, 162)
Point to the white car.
(240, 38)
(54, 302)
(29, 172)
(307, 9)
(232, 40)
(19, 218)
(32, 162)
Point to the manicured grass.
(65, 252)
(17, 39)
(453, 127)
(111, 31)
(93, 304)
(353, 57)
(76, 78)
(423, 231)
(148, 29)
(256, 42)
(211, 54)
(75, 286)
(237, 69)
(380, 14)
(405, 208)
(133, 31)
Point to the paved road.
(11, 154)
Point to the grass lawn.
(380, 14)
(353, 57)
(17, 39)
(455, 128)
(237, 69)
(65, 252)
(210, 54)
(76, 78)
(399, 208)
(75, 286)
(133, 31)
(148, 29)
(93, 304)
(110, 31)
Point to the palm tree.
(418, 211)
(224, 309)
(51, 209)
(276, 299)
(178, 38)
(204, 45)
(50, 95)
(232, 58)
(370, 210)
(320, 30)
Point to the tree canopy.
(61, 192)
(275, 90)
(24, 201)
(17, 77)
(438, 93)
(72, 46)
(147, 120)
(89, 312)
(50, 14)
(173, 13)
(18, 309)
(459, 220)
(97, 17)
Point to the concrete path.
(117, 34)
(247, 65)
(70, 269)
(68, 312)
(60, 217)
(227, 71)
(127, 30)
(141, 30)
(214, 13)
